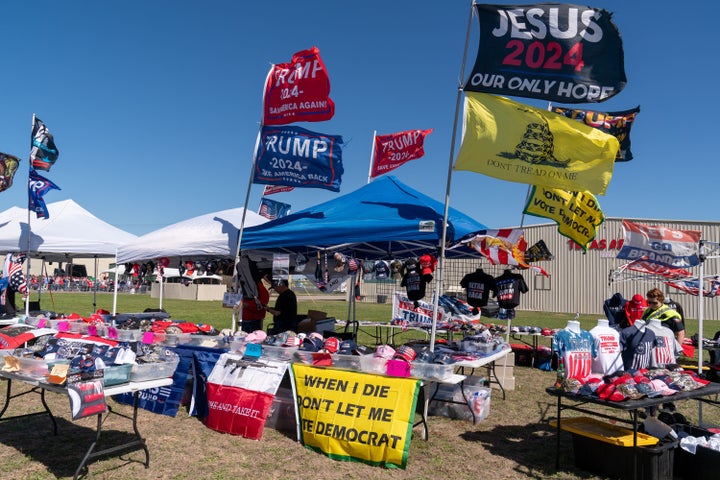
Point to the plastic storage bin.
(150, 371)
(704, 464)
(129, 335)
(117, 374)
(33, 367)
(282, 412)
(281, 354)
(347, 362)
(371, 364)
(606, 449)
(431, 371)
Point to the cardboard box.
(316, 315)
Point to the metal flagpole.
(27, 243)
(242, 227)
(441, 248)
(372, 156)
(700, 308)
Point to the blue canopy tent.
(381, 219)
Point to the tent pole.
(95, 285)
(441, 248)
(115, 294)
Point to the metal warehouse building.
(579, 281)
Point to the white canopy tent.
(213, 234)
(69, 232)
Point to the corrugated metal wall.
(578, 282)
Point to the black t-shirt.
(508, 288)
(414, 285)
(478, 286)
(286, 302)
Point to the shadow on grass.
(532, 447)
(61, 454)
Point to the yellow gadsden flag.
(515, 142)
(577, 214)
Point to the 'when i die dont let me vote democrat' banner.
(350, 415)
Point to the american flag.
(272, 210)
(14, 273)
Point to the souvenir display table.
(467, 369)
(385, 333)
(489, 363)
(590, 406)
(40, 387)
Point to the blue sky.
(155, 105)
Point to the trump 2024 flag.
(298, 91)
(295, 157)
(395, 149)
(518, 143)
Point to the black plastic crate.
(616, 461)
(704, 465)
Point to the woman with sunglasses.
(657, 310)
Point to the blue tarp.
(383, 218)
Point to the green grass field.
(213, 313)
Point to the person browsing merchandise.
(669, 317)
(285, 311)
(253, 309)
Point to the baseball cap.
(637, 299)
(293, 341)
(332, 344)
(405, 352)
(347, 347)
(258, 336)
(352, 265)
(385, 351)
(311, 344)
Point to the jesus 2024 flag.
(552, 51)
(518, 143)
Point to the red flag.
(270, 189)
(298, 91)
(395, 149)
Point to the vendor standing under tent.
(285, 311)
